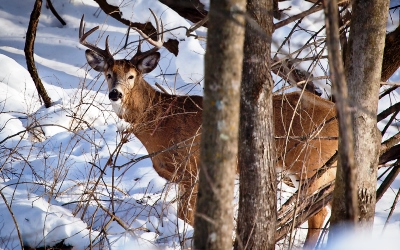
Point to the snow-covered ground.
(55, 180)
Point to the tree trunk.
(28, 49)
(363, 74)
(346, 171)
(223, 70)
(257, 201)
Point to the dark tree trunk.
(257, 202)
(29, 49)
(219, 141)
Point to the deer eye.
(130, 77)
(108, 76)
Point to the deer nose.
(115, 95)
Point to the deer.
(169, 126)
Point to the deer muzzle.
(114, 95)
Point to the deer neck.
(143, 109)
(138, 102)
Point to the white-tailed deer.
(171, 124)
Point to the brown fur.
(306, 133)
(167, 119)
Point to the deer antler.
(157, 44)
(82, 40)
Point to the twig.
(14, 219)
(53, 10)
(313, 9)
(161, 88)
(316, 7)
(176, 146)
(389, 123)
(308, 208)
(389, 143)
(388, 111)
(46, 125)
(287, 38)
(196, 26)
(388, 91)
(389, 155)
(388, 180)
(118, 220)
(287, 205)
(127, 38)
(391, 209)
(396, 84)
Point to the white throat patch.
(117, 107)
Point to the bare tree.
(219, 141)
(29, 48)
(257, 202)
(363, 69)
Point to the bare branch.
(29, 50)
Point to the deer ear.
(96, 61)
(148, 63)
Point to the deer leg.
(315, 224)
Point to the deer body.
(306, 130)
(169, 126)
(160, 122)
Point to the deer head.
(122, 75)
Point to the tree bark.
(391, 54)
(346, 171)
(219, 142)
(363, 73)
(257, 202)
(29, 48)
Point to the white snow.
(54, 171)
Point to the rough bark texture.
(346, 172)
(363, 74)
(257, 202)
(223, 71)
(391, 54)
(29, 48)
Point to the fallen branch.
(28, 49)
(53, 10)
